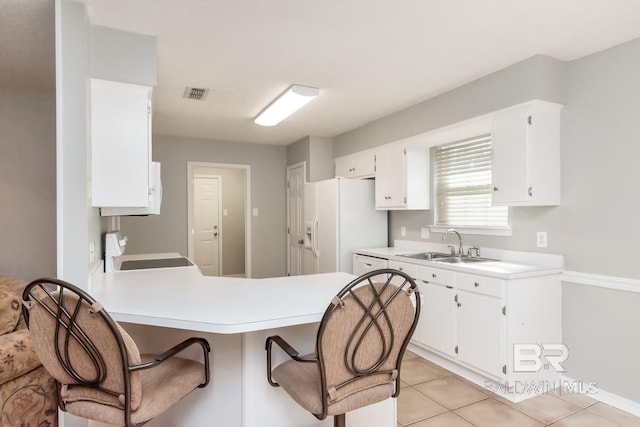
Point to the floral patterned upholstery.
(28, 396)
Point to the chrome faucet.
(451, 230)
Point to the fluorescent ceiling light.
(286, 104)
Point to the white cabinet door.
(437, 317)
(480, 326)
(390, 177)
(509, 145)
(120, 132)
(526, 155)
(402, 177)
(356, 165)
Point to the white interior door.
(295, 218)
(206, 193)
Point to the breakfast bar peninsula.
(159, 307)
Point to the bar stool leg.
(339, 420)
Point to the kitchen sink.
(428, 256)
(444, 257)
(462, 260)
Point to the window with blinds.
(463, 185)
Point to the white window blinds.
(463, 185)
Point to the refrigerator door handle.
(314, 237)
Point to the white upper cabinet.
(526, 155)
(357, 165)
(402, 177)
(120, 132)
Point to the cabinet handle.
(530, 191)
(456, 301)
(476, 284)
(425, 281)
(434, 275)
(495, 188)
(301, 242)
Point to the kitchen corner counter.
(161, 307)
(183, 298)
(511, 264)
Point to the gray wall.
(594, 226)
(84, 52)
(317, 153)
(167, 232)
(78, 223)
(27, 183)
(538, 77)
(122, 56)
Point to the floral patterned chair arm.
(17, 356)
(28, 394)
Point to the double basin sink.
(445, 258)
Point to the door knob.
(301, 242)
(215, 234)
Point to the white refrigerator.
(339, 217)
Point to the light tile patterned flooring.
(434, 397)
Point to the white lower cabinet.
(475, 321)
(480, 332)
(437, 317)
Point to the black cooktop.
(141, 264)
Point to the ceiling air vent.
(197, 93)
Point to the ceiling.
(369, 58)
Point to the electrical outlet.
(92, 251)
(403, 231)
(424, 232)
(541, 239)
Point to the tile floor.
(434, 397)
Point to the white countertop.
(185, 299)
(512, 264)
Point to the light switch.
(255, 211)
(225, 212)
(403, 231)
(424, 232)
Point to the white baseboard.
(611, 399)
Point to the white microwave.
(155, 198)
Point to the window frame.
(456, 132)
(462, 179)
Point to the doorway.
(230, 208)
(207, 227)
(296, 177)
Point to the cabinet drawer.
(482, 285)
(436, 275)
(410, 269)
